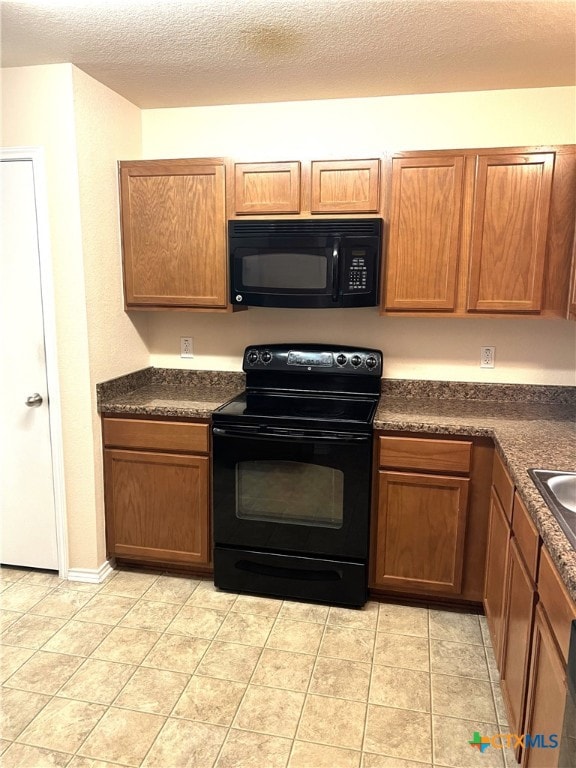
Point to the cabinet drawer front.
(503, 485)
(557, 603)
(425, 454)
(156, 435)
(526, 535)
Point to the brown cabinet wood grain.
(261, 188)
(517, 630)
(478, 231)
(495, 575)
(509, 232)
(425, 454)
(421, 529)
(546, 694)
(157, 495)
(174, 233)
(424, 241)
(345, 186)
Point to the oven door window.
(290, 492)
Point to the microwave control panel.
(357, 272)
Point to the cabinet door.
(425, 218)
(495, 579)
(174, 233)
(546, 695)
(518, 620)
(420, 532)
(157, 506)
(345, 186)
(509, 232)
(267, 188)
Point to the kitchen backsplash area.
(442, 349)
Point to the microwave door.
(277, 275)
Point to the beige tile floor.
(164, 672)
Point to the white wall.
(527, 351)
(83, 128)
(107, 128)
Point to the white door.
(27, 519)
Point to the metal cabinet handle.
(33, 401)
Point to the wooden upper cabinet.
(509, 232)
(261, 188)
(345, 186)
(425, 218)
(174, 233)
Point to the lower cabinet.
(157, 491)
(430, 517)
(495, 579)
(546, 696)
(529, 613)
(421, 526)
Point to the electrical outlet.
(186, 346)
(487, 357)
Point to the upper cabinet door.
(266, 188)
(425, 218)
(345, 186)
(509, 232)
(174, 233)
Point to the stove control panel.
(313, 358)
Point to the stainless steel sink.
(559, 491)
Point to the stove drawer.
(425, 454)
(287, 576)
(156, 435)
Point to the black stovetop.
(299, 410)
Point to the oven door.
(290, 492)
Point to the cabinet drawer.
(424, 454)
(157, 435)
(526, 534)
(557, 603)
(503, 485)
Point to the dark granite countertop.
(531, 426)
(169, 393)
(526, 435)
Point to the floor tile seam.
(372, 656)
(466, 677)
(387, 631)
(106, 708)
(56, 751)
(136, 668)
(170, 717)
(307, 691)
(149, 665)
(432, 727)
(48, 650)
(18, 667)
(106, 760)
(35, 716)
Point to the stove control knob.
(371, 361)
(356, 360)
(252, 357)
(341, 359)
(266, 357)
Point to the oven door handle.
(338, 437)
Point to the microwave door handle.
(335, 269)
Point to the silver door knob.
(33, 401)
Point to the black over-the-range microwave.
(305, 262)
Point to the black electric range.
(292, 473)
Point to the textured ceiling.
(200, 52)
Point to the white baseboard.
(91, 575)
